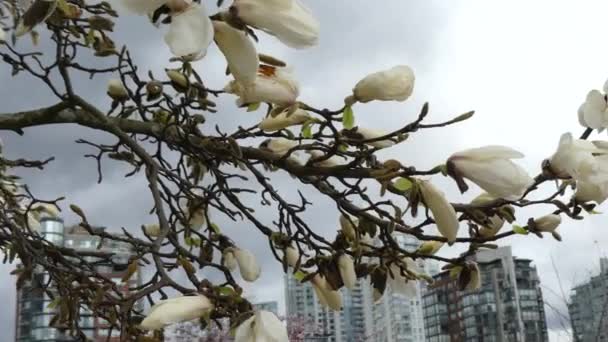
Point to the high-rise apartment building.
(34, 312)
(588, 307)
(508, 306)
(395, 318)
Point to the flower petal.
(190, 33)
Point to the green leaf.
(343, 148)
(54, 303)
(348, 118)
(455, 271)
(227, 291)
(307, 131)
(252, 107)
(403, 184)
(520, 230)
(215, 228)
(299, 275)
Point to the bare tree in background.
(197, 174)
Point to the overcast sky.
(525, 67)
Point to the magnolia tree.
(156, 117)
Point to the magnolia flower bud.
(366, 242)
(179, 81)
(292, 256)
(326, 296)
(396, 84)
(400, 283)
(279, 146)
(284, 120)
(347, 271)
(348, 228)
(547, 223)
(229, 260)
(272, 85)
(491, 168)
(116, 90)
(362, 133)
(240, 52)
(38, 12)
(288, 20)
(493, 223)
(154, 89)
(470, 278)
(190, 32)
(176, 310)
(429, 247)
(45, 210)
(152, 230)
(248, 265)
(443, 212)
(264, 326)
(197, 219)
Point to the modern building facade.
(588, 307)
(508, 306)
(267, 306)
(34, 308)
(395, 318)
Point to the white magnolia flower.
(117, 90)
(443, 212)
(327, 296)
(491, 168)
(401, 283)
(284, 120)
(152, 229)
(363, 133)
(574, 157)
(593, 113)
(292, 256)
(190, 32)
(429, 247)
(275, 86)
(229, 260)
(395, 84)
(346, 266)
(288, 20)
(279, 146)
(176, 310)
(2, 34)
(248, 265)
(348, 228)
(264, 326)
(329, 162)
(239, 50)
(592, 191)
